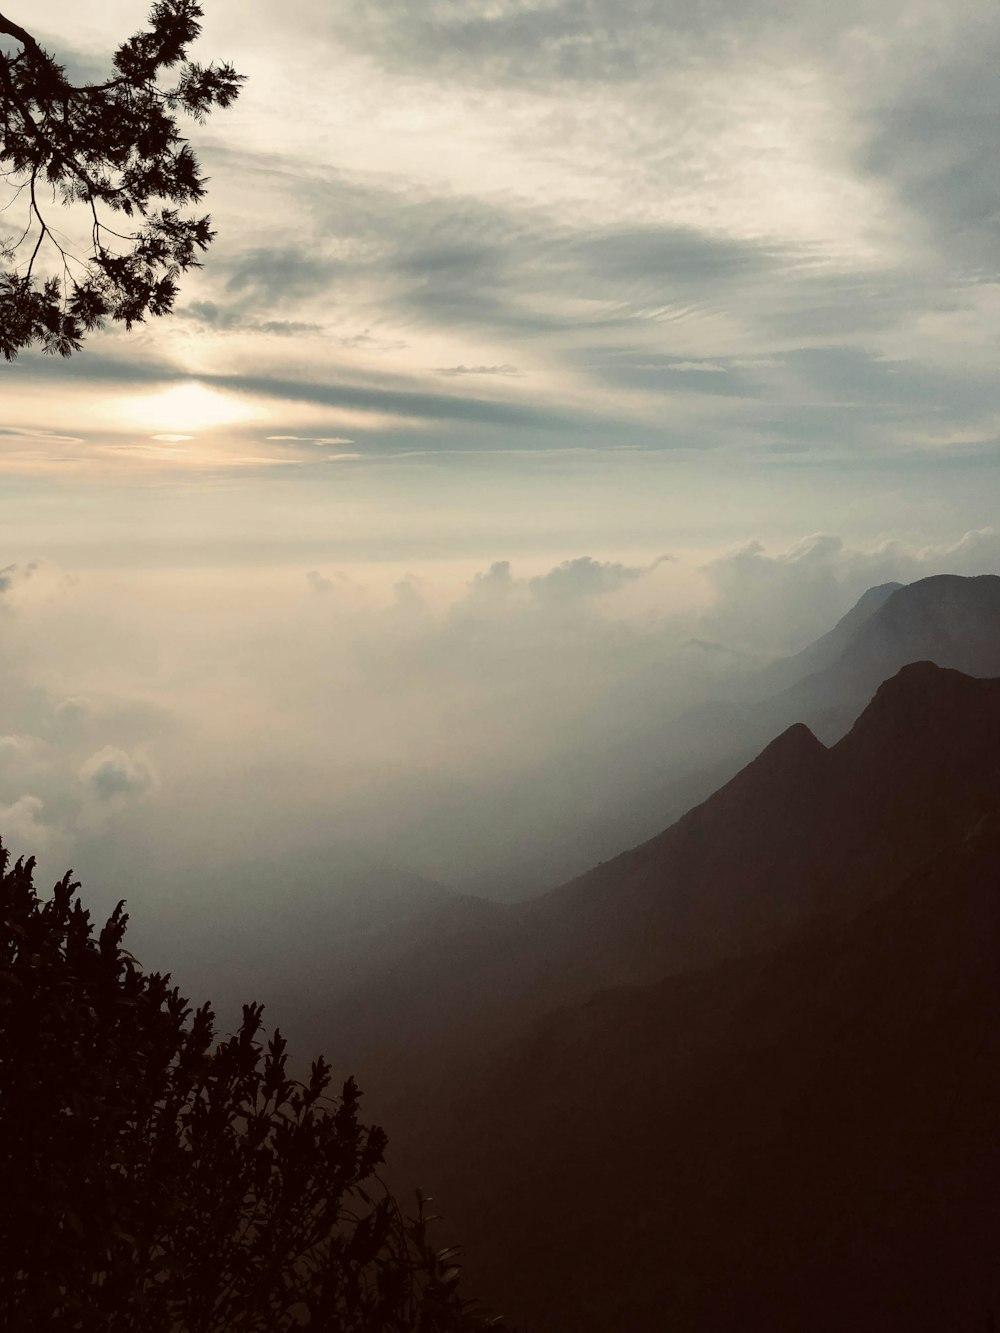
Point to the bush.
(153, 1178)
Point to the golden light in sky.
(182, 409)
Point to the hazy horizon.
(538, 341)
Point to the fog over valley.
(330, 737)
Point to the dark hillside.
(801, 835)
(802, 1139)
(746, 1075)
(950, 620)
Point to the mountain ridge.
(952, 620)
(810, 1131)
(803, 834)
(789, 1136)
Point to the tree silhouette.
(111, 148)
(153, 1180)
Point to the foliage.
(107, 146)
(156, 1181)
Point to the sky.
(483, 249)
(539, 337)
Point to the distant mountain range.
(283, 925)
(802, 834)
(826, 650)
(795, 1125)
(946, 619)
(745, 1075)
(578, 937)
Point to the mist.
(326, 747)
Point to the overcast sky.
(538, 336)
(525, 241)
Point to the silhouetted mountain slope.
(947, 619)
(799, 1134)
(802, 1139)
(801, 835)
(774, 845)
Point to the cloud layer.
(457, 726)
(761, 228)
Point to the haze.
(553, 362)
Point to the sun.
(183, 409)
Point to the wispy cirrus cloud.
(757, 227)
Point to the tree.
(102, 149)
(155, 1181)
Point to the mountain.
(280, 925)
(953, 620)
(823, 652)
(775, 845)
(946, 619)
(747, 1075)
(724, 1079)
(801, 1139)
(803, 832)
(678, 761)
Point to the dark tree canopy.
(154, 1180)
(108, 150)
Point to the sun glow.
(184, 408)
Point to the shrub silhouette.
(154, 1179)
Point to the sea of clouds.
(162, 731)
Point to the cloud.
(319, 583)
(778, 601)
(701, 367)
(498, 581)
(586, 577)
(21, 758)
(790, 216)
(232, 318)
(478, 370)
(810, 338)
(13, 576)
(408, 403)
(310, 439)
(404, 403)
(73, 713)
(463, 722)
(23, 827)
(278, 275)
(929, 133)
(111, 772)
(674, 258)
(549, 41)
(31, 583)
(48, 437)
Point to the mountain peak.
(922, 676)
(948, 618)
(794, 740)
(866, 605)
(787, 753)
(929, 729)
(950, 585)
(920, 686)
